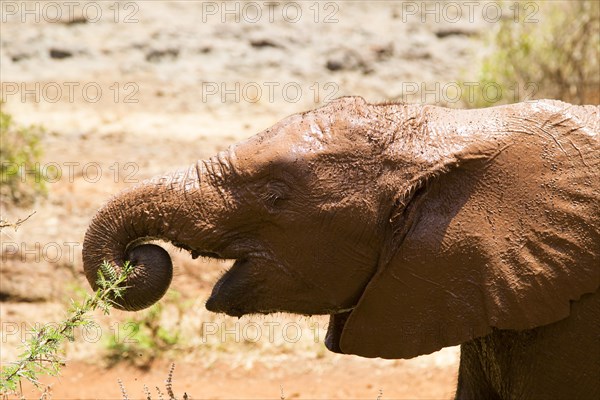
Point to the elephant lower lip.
(334, 331)
(220, 300)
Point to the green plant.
(21, 176)
(42, 353)
(542, 50)
(142, 338)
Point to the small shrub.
(543, 50)
(21, 177)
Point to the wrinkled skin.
(414, 227)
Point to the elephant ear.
(503, 241)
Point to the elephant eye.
(274, 200)
(276, 194)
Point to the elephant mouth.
(230, 293)
(233, 296)
(241, 258)
(334, 331)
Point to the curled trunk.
(159, 209)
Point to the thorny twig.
(5, 223)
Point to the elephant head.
(414, 227)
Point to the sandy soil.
(161, 84)
(289, 378)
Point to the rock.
(160, 55)
(79, 19)
(383, 52)
(334, 65)
(59, 54)
(19, 57)
(348, 60)
(445, 32)
(258, 43)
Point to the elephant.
(414, 227)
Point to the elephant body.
(556, 361)
(413, 227)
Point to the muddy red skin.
(414, 227)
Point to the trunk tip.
(150, 279)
